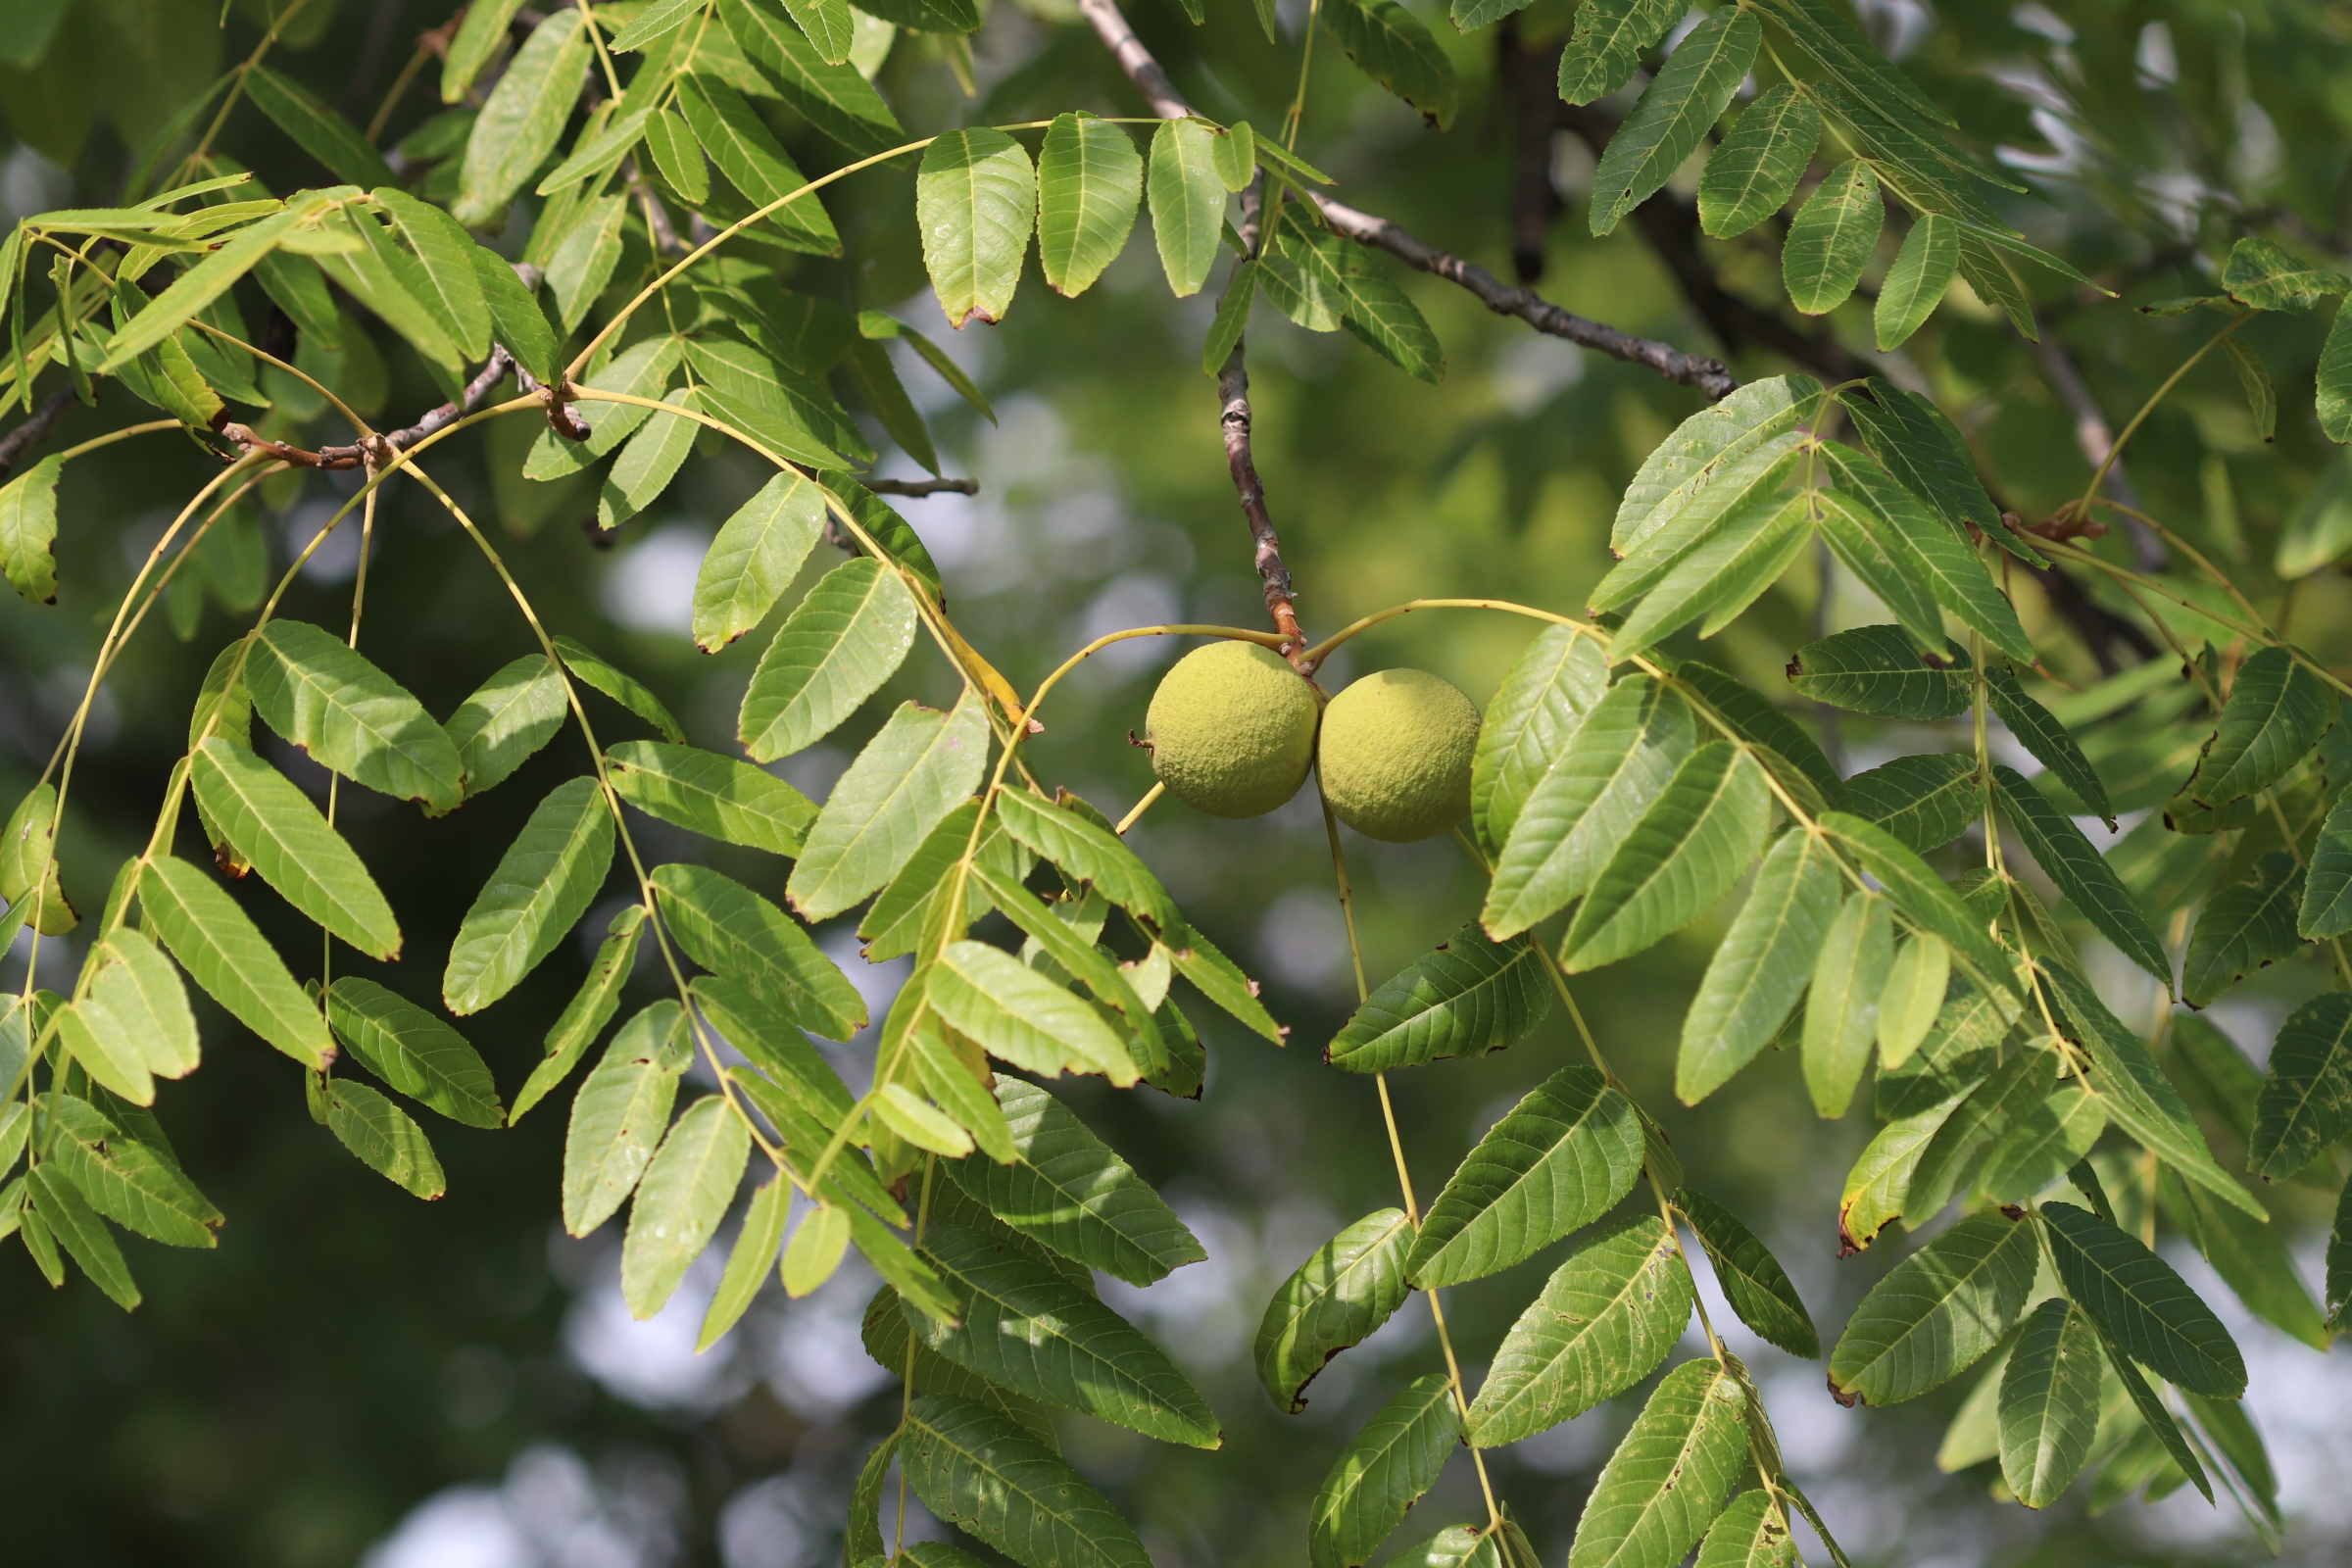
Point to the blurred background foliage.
(353, 1376)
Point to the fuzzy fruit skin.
(1232, 729)
(1396, 753)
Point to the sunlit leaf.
(1671, 1475)
(279, 833)
(414, 1052)
(976, 196)
(977, 1470)
(350, 715)
(1761, 966)
(839, 644)
(711, 795)
(1682, 103)
(909, 776)
(620, 1114)
(223, 950)
(1831, 238)
(1695, 840)
(1936, 1313)
(523, 116)
(725, 926)
(542, 885)
(682, 1197)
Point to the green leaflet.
(725, 926)
(446, 257)
(28, 862)
(1072, 1192)
(974, 195)
(1529, 724)
(1469, 996)
(648, 462)
(1953, 569)
(1736, 496)
(383, 1138)
(756, 163)
(891, 1344)
(895, 922)
(814, 79)
(774, 1047)
(479, 38)
(69, 1219)
(877, 382)
(2134, 1092)
(1387, 320)
(351, 717)
(1751, 1278)
(207, 282)
(29, 530)
(1457, 1546)
(1926, 802)
(1690, 847)
(506, 719)
(542, 885)
(1783, 748)
(2082, 873)
(2141, 1305)
(1924, 898)
(137, 1183)
(1382, 1472)
(678, 156)
(585, 1016)
(683, 1196)
(1755, 171)
(1186, 195)
(865, 1526)
(2229, 1432)
(414, 1052)
(653, 24)
(1975, 1433)
(1916, 283)
(2159, 1424)
(2334, 404)
(958, 1083)
(909, 776)
(1841, 1011)
(1875, 670)
(1392, 46)
(276, 830)
(1087, 852)
(1831, 238)
(620, 686)
(523, 116)
(2277, 711)
(620, 1112)
(2016, 1090)
(218, 946)
(1089, 180)
(105, 1048)
(1064, 943)
(1027, 1327)
(1671, 1475)
(2306, 1104)
(1350, 1286)
(1936, 1313)
(1607, 1315)
(2039, 731)
(1885, 562)
(1576, 816)
(978, 1471)
(142, 992)
(711, 795)
(2040, 1147)
(2244, 927)
(839, 644)
(1705, 448)
(1752, 1533)
(1609, 39)
(1673, 114)
(1849, 58)
(1233, 314)
(2251, 1259)
(1018, 1015)
(1925, 452)
(2327, 909)
(642, 371)
(2266, 276)
(1722, 573)
(2050, 1402)
(789, 418)
(1559, 1160)
(1761, 966)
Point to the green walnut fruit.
(1232, 729)
(1396, 755)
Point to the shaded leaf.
(1750, 1277)
(1690, 847)
(383, 1138)
(2141, 1305)
(1761, 966)
(621, 686)
(1916, 283)
(2050, 1402)
(2306, 1104)
(2082, 873)
(1841, 1011)
(1608, 42)
(1754, 173)
(1831, 238)
(1673, 114)
(1926, 802)
(977, 1470)
(2276, 712)
(1349, 1287)
(1469, 996)
(2244, 927)
(1875, 670)
(1384, 1470)
(1392, 46)
(506, 719)
(1671, 1475)
(585, 1016)
(523, 116)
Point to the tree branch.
(1232, 419)
(1710, 376)
(35, 427)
